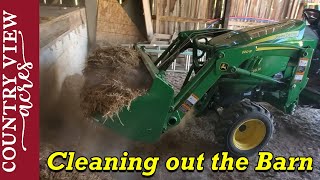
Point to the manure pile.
(114, 77)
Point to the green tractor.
(267, 63)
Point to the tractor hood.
(286, 30)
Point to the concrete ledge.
(56, 25)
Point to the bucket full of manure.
(124, 90)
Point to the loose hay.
(114, 77)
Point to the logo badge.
(224, 66)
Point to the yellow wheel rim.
(249, 134)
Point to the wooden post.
(226, 13)
(295, 9)
(158, 16)
(147, 18)
(92, 13)
(166, 9)
(290, 9)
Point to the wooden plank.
(166, 8)
(204, 10)
(300, 11)
(182, 14)
(294, 9)
(271, 11)
(218, 9)
(192, 13)
(290, 9)
(161, 39)
(236, 7)
(253, 4)
(171, 4)
(153, 7)
(176, 13)
(158, 16)
(247, 8)
(214, 9)
(240, 8)
(256, 9)
(260, 6)
(209, 9)
(198, 12)
(147, 18)
(153, 15)
(232, 7)
(226, 14)
(161, 13)
(283, 13)
(182, 19)
(188, 12)
(275, 11)
(161, 42)
(266, 9)
(185, 13)
(233, 4)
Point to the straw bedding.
(114, 77)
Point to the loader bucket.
(146, 117)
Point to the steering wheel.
(312, 16)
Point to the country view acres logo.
(15, 92)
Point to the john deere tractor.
(267, 63)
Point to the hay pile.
(114, 77)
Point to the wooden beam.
(271, 11)
(226, 13)
(147, 18)
(294, 9)
(163, 36)
(182, 19)
(158, 4)
(209, 9)
(92, 14)
(299, 14)
(218, 9)
(289, 10)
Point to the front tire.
(244, 128)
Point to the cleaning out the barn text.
(220, 162)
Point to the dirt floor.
(65, 129)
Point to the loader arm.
(183, 42)
(210, 75)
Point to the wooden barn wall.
(114, 26)
(171, 16)
(266, 9)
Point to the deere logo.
(224, 66)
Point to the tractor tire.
(244, 128)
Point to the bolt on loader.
(268, 63)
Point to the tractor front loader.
(265, 63)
